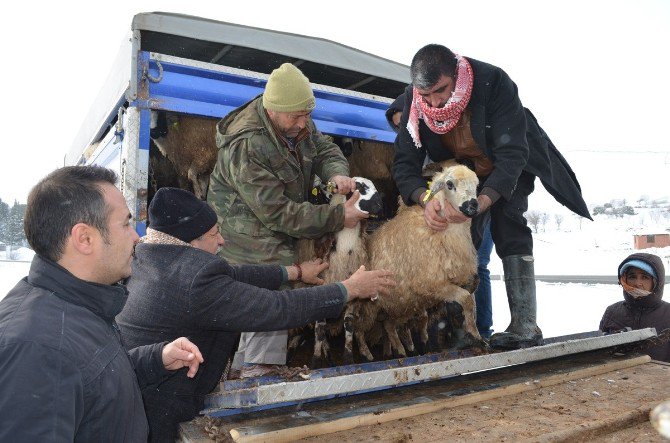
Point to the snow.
(10, 273)
(579, 247)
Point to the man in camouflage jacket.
(269, 152)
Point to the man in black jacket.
(179, 286)
(462, 108)
(64, 373)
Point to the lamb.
(348, 253)
(430, 267)
(374, 160)
(189, 142)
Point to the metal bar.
(365, 81)
(316, 388)
(219, 55)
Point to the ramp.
(265, 393)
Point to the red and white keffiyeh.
(442, 120)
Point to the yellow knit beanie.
(288, 90)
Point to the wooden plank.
(589, 430)
(292, 428)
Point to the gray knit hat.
(288, 90)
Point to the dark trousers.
(165, 411)
(509, 230)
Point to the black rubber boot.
(522, 331)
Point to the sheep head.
(457, 184)
(370, 200)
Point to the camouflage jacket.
(259, 189)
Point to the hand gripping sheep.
(430, 267)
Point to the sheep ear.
(437, 187)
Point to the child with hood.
(642, 277)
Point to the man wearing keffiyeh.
(458, 107)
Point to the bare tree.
(558, 218)
(533, 218)
(543, 220)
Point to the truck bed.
(604, 393)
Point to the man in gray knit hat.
(269, 153)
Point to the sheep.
(347, 253)
(431, 267)
(374, 160)
(189, 142)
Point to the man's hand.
(484, 202)
(180, 353)
(369, 284)
(345, 185)
(311, 270)
(431, 214)
(395, 118)
(352, 215)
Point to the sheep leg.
(293, 343)
(321, 346)
(465, 325)
(387, 348)
(405, 335)
(349, 332)
(363, 345)
(392, 333)
(422, 326)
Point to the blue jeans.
(483, 292)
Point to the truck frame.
(190, 65)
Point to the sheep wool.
(288, 90)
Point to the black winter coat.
(64, 374)
(183, 291)
(644, 312)
(508, 134)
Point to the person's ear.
(83, 238)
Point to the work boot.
(522, 331)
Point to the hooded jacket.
(643, 312)
(259, 189)
(64, 373)
(503, 129)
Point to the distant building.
(643, 241)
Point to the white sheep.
(430, 267)
(346, 254)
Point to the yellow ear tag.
(427, 196)
(331, 187)
(315, 192)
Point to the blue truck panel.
(197, 91)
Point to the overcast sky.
(596, 74)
